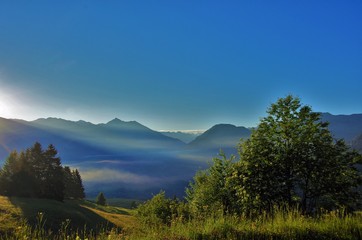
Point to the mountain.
(220, 136)
(113, 156)
(347, 127)
(357, 143)
(115, 135)
(185, 137)
(128, 159)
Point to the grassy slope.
(14, 211)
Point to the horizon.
(190, 131)
(177, 65)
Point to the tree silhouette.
(101, 200)
(38, 173)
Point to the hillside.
(184, 136)
(221, 136)
(357, 143)
(347, 127)
(14, 211)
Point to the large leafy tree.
(292, 158)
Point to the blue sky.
(177, 64)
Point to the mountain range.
(128, 159)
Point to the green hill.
(80, 215)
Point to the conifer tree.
(54, 185)
(101, 200)
(33, 173)
(79, 193)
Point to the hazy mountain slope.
(220, 136)
(127, 159)
(183, 136)
(113, 156)
(357, 143)
(115, 135)
(347, 127)
(19, 135)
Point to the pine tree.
(54, 185)
(33, 173)
(73, 184)
(69, 186)
(101, 200)
(7, 172)
(79, 188)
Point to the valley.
(130, 160)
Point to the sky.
(177, 64)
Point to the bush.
(161, 210)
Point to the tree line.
(38, 173)
(291, 160)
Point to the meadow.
(48, 219)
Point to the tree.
(53, 175)
(209, 192)
(291, 157)
(7, 172)
(162, 210)
(79, 189)
(101, 200)
(69, 186)
(73, 184)
(37, 173)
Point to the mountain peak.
(115, 121)
(130, 125)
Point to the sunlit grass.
(287, 224)
(281, 224)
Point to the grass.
(73, 217)
(20, 219)
(283, 225)
(124, 202)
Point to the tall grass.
(281, 224)
(40, 232)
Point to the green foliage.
(292, 158)
(162, 210)
(101, 200)
(209, 193)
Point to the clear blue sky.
(177, 64)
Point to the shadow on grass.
(57, 214)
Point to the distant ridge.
(347, 127)
(128, 159)
(221, 136)
(357, 143)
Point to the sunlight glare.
(5, 106)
